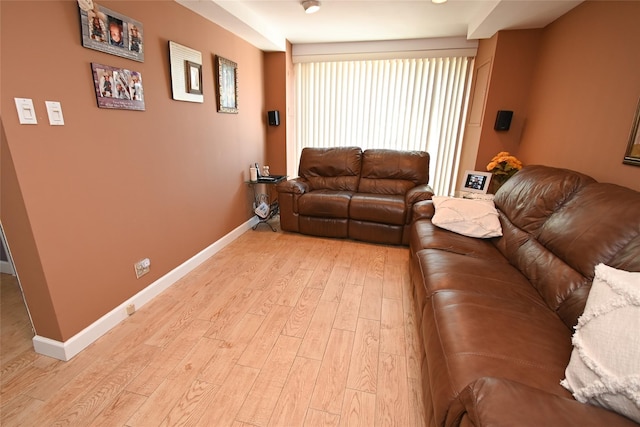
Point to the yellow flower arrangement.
(503, 166)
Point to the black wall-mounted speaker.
(503, 120)
(274, 118)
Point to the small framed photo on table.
(475, 182)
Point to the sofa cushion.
(469, 217)
(604, 369)
(557, 237)
(325, 203)
(375, 232)
(425, 235)
(446, 271)
(324, 227)
(552, 187)
(385, 209)
(570, 236)
(593, 226)
(562, 288)
(499, 402)
(393, 172)
(331, 168)
(471, 335)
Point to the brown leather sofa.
(345, 192)
(496, 316)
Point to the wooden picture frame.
(194, 77)
(227, 85)
(110, 32)
(632, 155)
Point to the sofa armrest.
(423, 210)
(295, 186)
(501, 402)
(418, 194)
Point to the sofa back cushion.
(559, 224)
(392, 171)
(552, 188)
(601, 224)
(331, 168)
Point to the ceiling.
(268, 24)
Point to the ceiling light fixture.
(438, 1)
(311, 6)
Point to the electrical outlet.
(131, 308)
(142, 267)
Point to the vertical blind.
(403, 104)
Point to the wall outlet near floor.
(131, 308)
(142, 267)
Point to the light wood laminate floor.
(276, 329)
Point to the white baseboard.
(74, 345)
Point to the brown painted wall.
(573, 88)
(279, 95)
(514, 55)
(291, 113)
(83, 202)
(23, 245)
(476, 111)
(585, 91)
(275, 91)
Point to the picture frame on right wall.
(632, 156)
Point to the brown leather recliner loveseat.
(496, 316)
(363, 195)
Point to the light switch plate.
(54, 110)
(26, 112)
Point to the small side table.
(259, 197)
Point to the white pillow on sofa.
(470, 217)
(604, 369)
